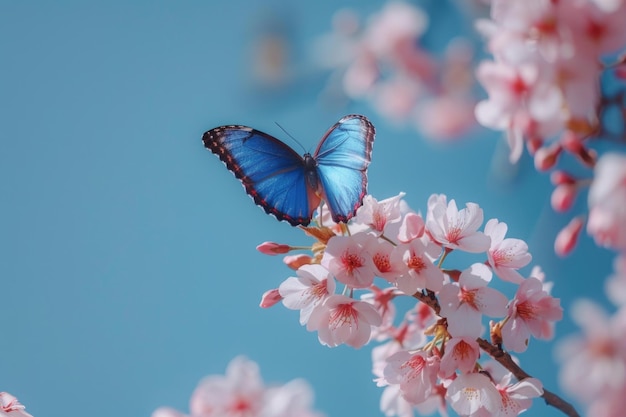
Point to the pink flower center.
(382, 262)
(320, 290)
(414, 366)
(454, 233)
(342, 315)
(468, 297)
(416, 263)
(518, 86)
(526, 311)
(462, 350)
(351, 261)
(379, 220)
(596, 31)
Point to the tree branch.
(505, 360)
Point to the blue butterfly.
(291, 186)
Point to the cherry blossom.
(418, 270)
(607, 202)
(594, 363)
(516, 398)
(411, 228)
(11, 407)
(506, 256)
(532, 311)
(241, 392)
(473, 395)
(347, 258)
(415, 373)
(312, 286)
(379, 214)
(454, 228)
(464, 303)
(341, 319)
(615, 287)
(461, 353)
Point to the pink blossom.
(461, 353)
(415, 372)
(464, 303)
(473, 395)
(239, 393)
(411, 228)
(11, 407)
(379, 214)
(349, 260)
(309, 289)
(520, 102)
(615, 286)
(341, 319)
(387, 266)
(594, 363)
(453, 228)
(506, 256)
(607, 202)
(459, 111)
(242, 393)
(418, 270)
(532, 311)
(516, 398)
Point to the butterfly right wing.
(271, 172)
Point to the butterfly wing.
(343, 156)
(271, 172)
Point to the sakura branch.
(428, 357)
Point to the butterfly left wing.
(343, 155)
(271, 172)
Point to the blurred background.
(127, 251)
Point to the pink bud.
(561, 177)
(563, 197)
(568, 237)
(412, 227)
(271, 248)
(571, 142)
(533, 144)
(296, 261)
(547, 156)
(270, 298)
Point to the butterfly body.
(290, 186)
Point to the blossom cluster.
(547, 80)
(11, 407)
(594, 362)
(428, 357)
(242, 392)
(380, 60)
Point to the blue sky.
(127, 251)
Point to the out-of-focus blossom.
(242, 393)
(607, 202)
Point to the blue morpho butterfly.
(291, 186)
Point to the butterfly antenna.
(288, 134)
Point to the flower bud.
(563, 197)
(568, 237)
(270, 297)
(271, 248)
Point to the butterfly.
(290, 186)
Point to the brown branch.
(505, 360)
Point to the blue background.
(128, 267)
